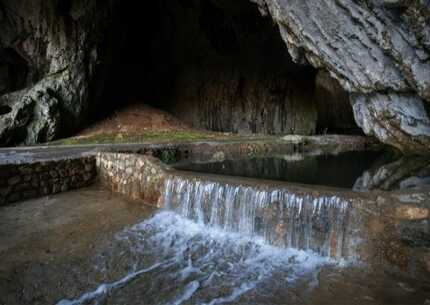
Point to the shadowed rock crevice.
(13, 71)
(334, 109)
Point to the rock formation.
(57, 47)
(55, 54)
(377, 49)
(338, 117)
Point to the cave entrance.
(217, 65)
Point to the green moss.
(168, 156)
(140, 138)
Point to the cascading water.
(172, 260)
(219, 243)
(285, 219)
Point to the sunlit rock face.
(379, 49)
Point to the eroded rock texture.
(53, 56)
(379, 49)
(217, 65)
(333, 105)
(245, 81)
(397, 119)
(49, 53)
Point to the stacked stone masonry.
(137, 177)
(25, 181)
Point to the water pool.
(341, 170)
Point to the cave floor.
(141, 123)
(45, 243)
(138, 123)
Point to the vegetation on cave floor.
(141, 123)
(147, 136)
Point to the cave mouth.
(217, 65)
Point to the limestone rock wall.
(400, 120)
(377, 49)
(218, 66)
(334, 109)
(228, 101)
(57, 47)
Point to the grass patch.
(167, 136)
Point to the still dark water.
(340, 170)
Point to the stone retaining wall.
(31, 180)
(138, 177)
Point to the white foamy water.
(322, 224)
(173, 260)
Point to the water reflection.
(361, 171)
(404, 173)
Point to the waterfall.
(323, 224)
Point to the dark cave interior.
(219, 65)
(13, 71)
